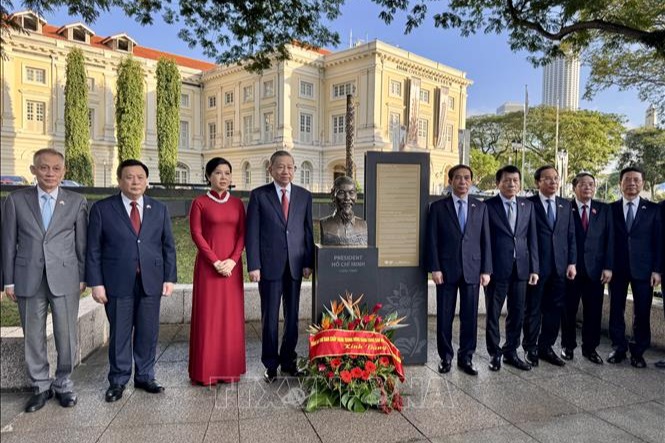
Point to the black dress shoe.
(495, 362)
(270, 375)
(444, 367)
(550, 356)
(114, 393)
(151, 386)
(638, 361)
(531, 358)
(567, 353)
(616, 357)
(593, 357)
(516, 362)
(37, 401)
(293, 372)
(660, 364)
(66, 399)
(467, 367)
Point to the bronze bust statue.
(342, 227)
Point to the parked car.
(15, 180)
(70, 184)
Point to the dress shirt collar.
(126, 202)
(456, 199)
(544, 198)
(507, 200)
(53, 194)
(636, 202)
(278, 188)
(580, 203)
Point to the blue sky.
(499, 75)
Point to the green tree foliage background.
(77, 132)
(129, 109)
(168, 118)
(645, 148)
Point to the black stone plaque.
(340, 269)
(396, 198)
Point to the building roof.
(139, 51)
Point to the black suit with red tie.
(636, 256)
(595, 253)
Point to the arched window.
(181, 173)
(306, 174)
(246, 175)
(268, 177)
(339, 171)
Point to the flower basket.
(353, 363)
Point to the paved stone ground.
(580, 402)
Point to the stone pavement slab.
(580, 402)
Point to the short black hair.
(131, 162)
(631, 169)
(213, 163)
(454, 169)
(539, 171)
(581, 175)
(508, 169)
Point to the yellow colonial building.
(402, 102)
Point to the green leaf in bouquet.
(372, 398)
(319, 399)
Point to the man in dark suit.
(459, 258)
(557, 255)
(514, 264)
(43, 254)
(280, 252)
(130, 265)
(638, 262)
(594, 233)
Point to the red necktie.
(285, 204)
(585, 218)
(135, 217)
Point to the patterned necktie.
(135, 217)
(630, 217)
(512, 220)
(585, 218)
(460, 215)
(550, 214)
(285, 204)
(47, 210)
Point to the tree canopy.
(129, 109)
(645, 148)
(168, 118)
(591, 138)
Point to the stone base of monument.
(339, 269)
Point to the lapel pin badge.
(148, 207)
(593, 211)
(644, 207)
(473, 205)
(61, 202)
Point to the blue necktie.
(47, 210)
(460, 215)
(550, 214)
(630, 217)
(512, 220)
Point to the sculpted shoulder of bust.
(342, 227)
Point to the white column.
(9, 107)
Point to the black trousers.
(446, 300)
(642, 298)
(272, 293)
(591, 293)
(514, 290)
(134, 332)
(542, 319)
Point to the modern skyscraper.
(561, 81)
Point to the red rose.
(356, 372)
(336, 363)
(366, 375)
(370, 366)
(384, 361)
(352, 325)
(346, 376)
(338, 322)
(376, 308)
(322, 367)
(330, 374)
(367, 319)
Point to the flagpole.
(526, 110)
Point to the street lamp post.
(563, 169)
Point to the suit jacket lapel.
(32, 200)
(499, 207)
(122, 213)
(450, 207)
(59, 207)
(276, 203)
